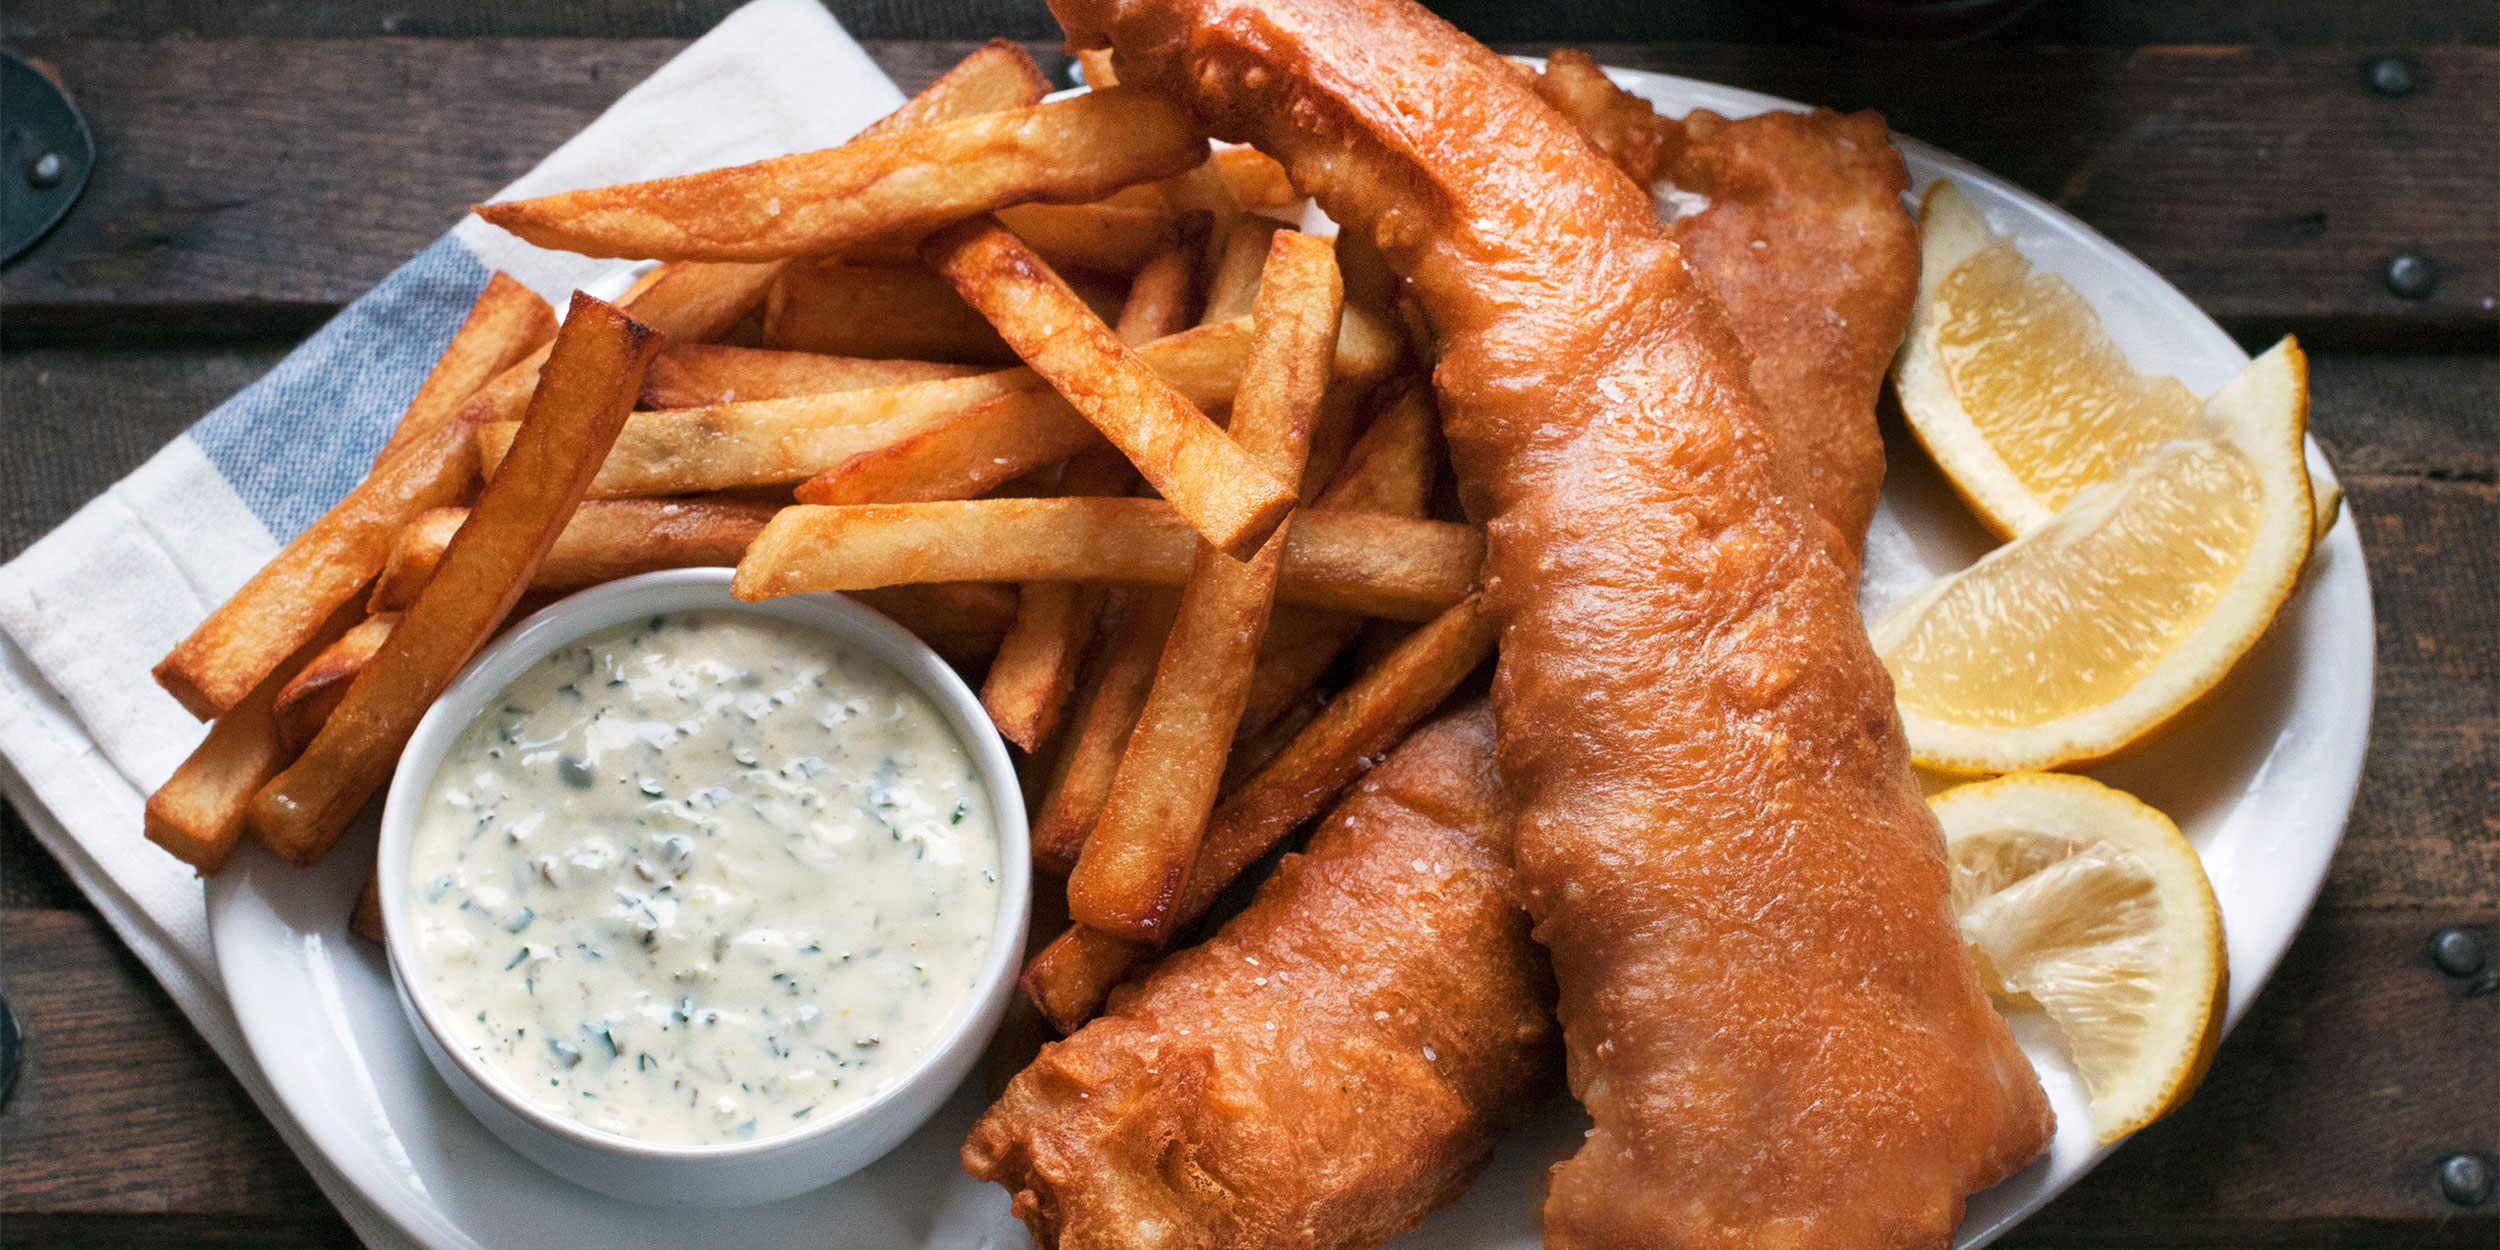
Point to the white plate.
(2260, 781)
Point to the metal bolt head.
(46, 171)
(2411, 277)
(2458, 952)
(2390, 76)
(2465, 1180)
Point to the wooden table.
(261, 165)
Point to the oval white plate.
(2260, 781)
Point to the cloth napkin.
(86, 735)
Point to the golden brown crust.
(1313, 1076)
(1769, 1014)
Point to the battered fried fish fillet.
(1767, 1010)
(1336, 1061)
(1805, 240)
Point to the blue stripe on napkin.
(293, 442)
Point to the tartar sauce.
(704, 877)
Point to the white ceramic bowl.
(738, 1173)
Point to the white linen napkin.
(87, 610)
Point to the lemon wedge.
(2086, 904)
(2077, 640)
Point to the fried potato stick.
(878, 310)
(1106, 715)
(307, 700)
(898, 184)
(604, 540)
(1349, 561)
(1036, 665)
(1229, 498)
(1257, 179)
(584, 394)
(698, 375)
(1233, 288)
(1313, 1075)
(1137, 859)
(1104, 237)
(962, 621)
(1069, 978)
(687, 302)
(427, 463)
(197, 815)
(980, 447)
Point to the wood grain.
(257, 184)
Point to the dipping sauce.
(704, 877)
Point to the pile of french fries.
(1032, 378)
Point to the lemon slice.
(2075, 641)
(2010, 381)
(2080, 901)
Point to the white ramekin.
(740, 1173)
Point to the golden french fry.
(197, 815)
(1257, 179)
(1252, 749)
(584, 394)
(308, 699)
(1104, 237)
(1389, 471)
(1348, 561)
(899, 184)
(1105, 717)
(1135, 862)
(878, 310)
(1226, 495)
(1234, 286)
(366, 920)
(999, 75)
(698, 375)
(1070, 977)
(1203, 189)
(962, 621)
(687, 302)
(604, 540)
(1165, 289)
(1037, 662)
(767, 441)
(1096, 63)
(506, 324)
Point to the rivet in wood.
(2390, 76)
(46, 171)
(2412, 277)
(2458, 952)
(2465, 1179)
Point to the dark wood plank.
(2394, 23)
(257, 184)
(120, 1107)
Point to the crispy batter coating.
(1807, 243)
(1768, 1012)
(1337, 1061)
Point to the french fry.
(1096, 64)
(1070, 977)
(1037, 662)
(604, 540)
(197, 815)
(1227, 497)
(767, 441)
(1165, 289)
(999, 75)
(962, 621)
(365, 921)
(1106, 715)
(507, 323)
(898, 184)
(1390, 471)
(976, 449)
(878, 310)
(1203, 189)
(697, 375)
(1136, 861)
(1103, 237)
(1233, 288)
(308, 699)
(1405, 569)
(584, 395)
(686, 302)
(1257, 179)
